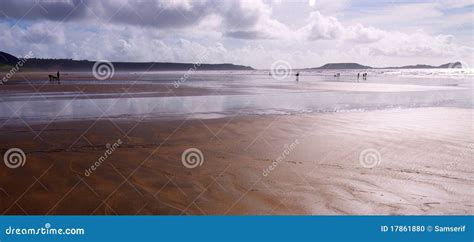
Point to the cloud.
(381, 42)
(252, 20)
(154, 14)
(329, 6)
(239, 34)
(243, 32)
(430, 16)
(321, 27)
(457, 3)
(56, 10)
(42, 33)
(417, 44)
(362, 34)
(238, 19)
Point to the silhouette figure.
(297, 76)
(358, 76)
(54, 78)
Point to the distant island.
(37, 64)
(334, 66)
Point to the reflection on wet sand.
(421, 136)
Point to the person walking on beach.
(57, 75)
(297, 76)
(358, 75)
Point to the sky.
(304, 33)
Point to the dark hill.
(456, 64)
(334, 66)
(7, 59)
(86, 65)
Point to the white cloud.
(417, 44)
(362, 34)
(242, 32)
(328, 6)
(252, 20)
(321, 27)
(381, 42)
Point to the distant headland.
(39, 64)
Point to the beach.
(388, 146)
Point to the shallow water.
(256, 93)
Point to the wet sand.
(425, 165)
(84, 83)
(146, 85)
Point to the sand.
(141, 83)
(426, 165)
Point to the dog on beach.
(54, 78)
